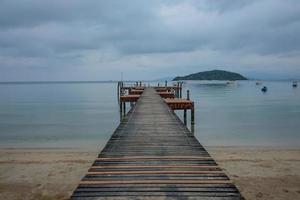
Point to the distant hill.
(212, 75)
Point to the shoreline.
(53, 173)
(88, 148)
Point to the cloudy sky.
(97, 40)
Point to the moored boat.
(295, 84)
(264, 89)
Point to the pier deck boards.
(152, 155)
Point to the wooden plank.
(162, 186)
(187, 181)
(165, 94)
(153, 172)
(182, 158)
(153, 188)
(157, 194)
(156, 166)
(129, 98)
(157, 197)
(139, 177)
(135, 92)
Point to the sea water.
(240, 114)
(84, 115)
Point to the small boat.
(264, 89)
(230, 82)
(258, 82)
(295, 84)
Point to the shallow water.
(85, 114)
(240, 114)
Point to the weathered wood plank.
(169, 193)
(153, 172)
(175, 181)
(156, 166)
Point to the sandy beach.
(259, 173)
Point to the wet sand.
(46, 174)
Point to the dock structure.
(153, 155)
(171, 94)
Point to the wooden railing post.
(181, 89)
(177, 90)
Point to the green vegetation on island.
(212, 75)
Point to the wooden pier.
(153, 155)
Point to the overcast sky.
(97, 40)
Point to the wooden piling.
(124, 108)
(192, 120)
(118, 91)
(184, 117)
(121, 110)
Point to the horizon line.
(115, 81)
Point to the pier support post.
(193, 129)
(124, 108)
(121, 111)
(118, 92)
(188, 95)
(192, 120)
(121, 88)
(184, 116)
(166, 83)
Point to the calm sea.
(84, 115)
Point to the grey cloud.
(33, 12)
(131, 33)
